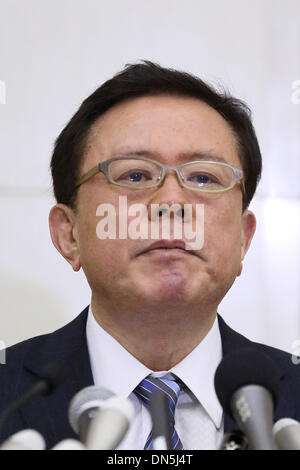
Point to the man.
(164, 138)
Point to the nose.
(179, 212)
(169, 194)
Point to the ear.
(248, 230)
(64, 234)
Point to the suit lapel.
(232, 341)
(66, 348)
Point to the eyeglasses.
(143, 173)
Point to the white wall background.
(54, 53)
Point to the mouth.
(168, 247)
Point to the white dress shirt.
(198, 415)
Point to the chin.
(172, 288)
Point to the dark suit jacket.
(68, 346)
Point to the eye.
(202, 179)
(135, 176)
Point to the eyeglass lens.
(142, 174)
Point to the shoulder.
(288, 403)
(288, 367)
(50, 347)
(232, 341)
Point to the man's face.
(168, 129)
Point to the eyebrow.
(186, 156)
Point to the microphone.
(110, 424)
(235, 440)
(247, 385)
(69, 444)
(286, 434)
(49, 379)
(84, 406)
(161, 416)
(28, 439)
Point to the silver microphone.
(286, 434)
(247, 385)
(110, 424)
(28, 439)
(69, 444)
(84, 406)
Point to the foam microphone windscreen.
(245, 367)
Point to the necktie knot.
(170, 387)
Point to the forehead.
(168, 128)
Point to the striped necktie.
(171, 388)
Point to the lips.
(166, 245)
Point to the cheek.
(222, 242)
(107, 255)
(104, 263)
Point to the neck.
(157, 340)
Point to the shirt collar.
(196, 370)
(113, 367)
